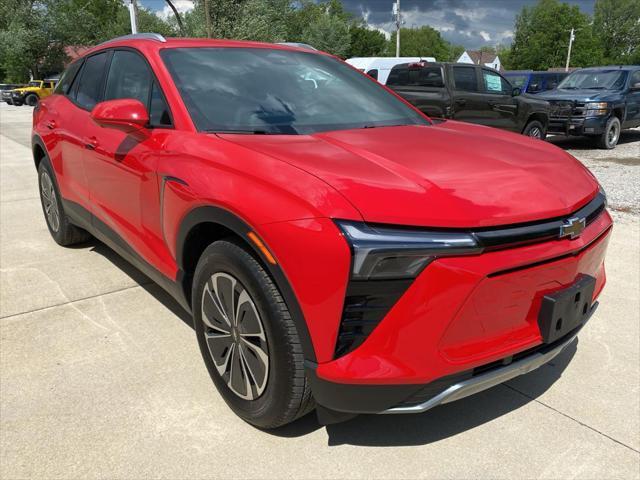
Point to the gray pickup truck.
(470, 93)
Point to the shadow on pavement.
(442, 422)
(391, 430)
(587, 143)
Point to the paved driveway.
(100, 376)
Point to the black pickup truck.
(598, 102)
(469, 93)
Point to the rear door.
(469, 103)
(70, 120)
(502, 111)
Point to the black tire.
(17, 103)
(609, 138)
(286, 395)
(535, 129)
(31, 99)
(60, 228)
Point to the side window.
(536, 83)
(91, 81)
(64, 85)
(494, 83)
(431, 77)
(465, 79)
(635, 79)
(373, 73)
(159, 115)
(129, 77)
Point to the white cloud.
(485, 36)
(182, 6)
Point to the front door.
(502, 107)
(121, 167)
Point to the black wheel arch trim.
(227, 219)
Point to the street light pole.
(396, 7)
(132, 16)
(572, 37)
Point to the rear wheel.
(62, 231)
(247, 338)
(31, 100)
(535, 129)
(611, 135)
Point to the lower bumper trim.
(489, 379)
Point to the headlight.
(595, 109)
(384, 253)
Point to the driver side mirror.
(124, 114)
(635, 86)
(516, 92)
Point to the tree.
(328, 33)
(541, 37)
(420, 42)
(366, 42)
(616, 23)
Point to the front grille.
(565, 109)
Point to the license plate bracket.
(565, 310)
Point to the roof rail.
(137, 36)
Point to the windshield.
(34, 84)
(596, 80)
(257, 90)
(517, 80)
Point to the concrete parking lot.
(101, 377)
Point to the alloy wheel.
(535, 132)
(612, 134)
(49, 201)
(235, 336)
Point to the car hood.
(446, 175)
(583, 95)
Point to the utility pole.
(207, 16)
(396, 11)
(132, 16)
(572, 37)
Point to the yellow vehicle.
(33, 92)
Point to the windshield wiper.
(597, 88)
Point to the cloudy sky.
(471, 23)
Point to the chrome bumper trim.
(490, 379)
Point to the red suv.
(336, 247)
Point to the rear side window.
(64, 85)
(373, 73)
(129, 77)
(91, 81)
(465, 79)
(418, 77)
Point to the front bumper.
(462, 317)
(577, 126)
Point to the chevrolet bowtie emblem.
(572, 227)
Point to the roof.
(156, 42)
(480, 58)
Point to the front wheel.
(31, 100)
(247, 337)
(611, 135)
(535, 129)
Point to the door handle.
(461, 101)
(91, 143)
(51, 124)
